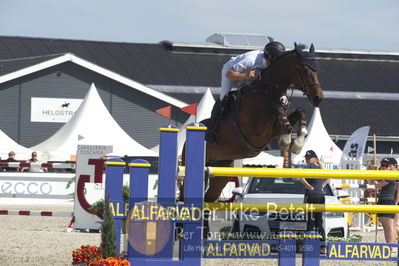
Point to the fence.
(151, 225)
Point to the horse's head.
(306, 78)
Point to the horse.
(261, 116)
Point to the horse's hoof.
(296, 146)
(294, 149)
(303, 132)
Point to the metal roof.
(183, 71)
(344, 116)
(60, 59)
(10, 65)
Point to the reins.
(305, 87)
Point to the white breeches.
(227, 84)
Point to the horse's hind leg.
(298, 116)
(285, 138)
(217, 184)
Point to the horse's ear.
(296, 46)
(311, 50)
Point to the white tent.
(91, 124)
(204, 110)
(7, 144)
(265, 158)
(319, 141)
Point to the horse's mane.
(277, 60)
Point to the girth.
(246, 148)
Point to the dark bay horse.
(262, 117)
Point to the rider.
(240, 68)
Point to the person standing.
(394, 167)
(11, 159)
(386, 196)
(34, 168)
(314, 193)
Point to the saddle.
(234, 101)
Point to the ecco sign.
(26, 188)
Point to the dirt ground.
(35, 240)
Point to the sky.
(366, 25)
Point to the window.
(276, 185)
(280, 185)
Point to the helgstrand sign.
(56, 110)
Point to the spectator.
(393, 166)
(314, 193)
(11, 159)
(34, 168)
(386, 196)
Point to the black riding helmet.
(274, 48)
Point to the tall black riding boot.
(216, 115)
(212, 123)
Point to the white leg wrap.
(297, 145)
(285, 141)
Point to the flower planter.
(86, 253)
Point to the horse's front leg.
(298, 116)
(285, 138)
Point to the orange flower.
(110, 261)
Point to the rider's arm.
(233, 75)
(379, 183)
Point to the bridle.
(305, 88)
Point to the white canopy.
(91, 124)
(265, 159)
(204, 110)
(319, 140)
(7, 144)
